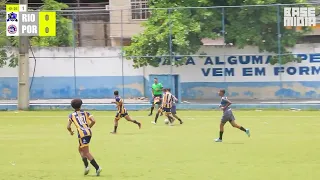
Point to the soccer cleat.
(113, 132)
(181, 122)
(248, 132)
(218, 140)
(98, 171)
(86, 170)
(153, 122)
(150, 114)
(139, 125)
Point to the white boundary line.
(21, 116)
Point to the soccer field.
(283, 145)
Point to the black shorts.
(167, 110)
(119, 115)
(84, 141)
(160, 96)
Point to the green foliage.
(245, 26)
(7, 57)
(64, 36)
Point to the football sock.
(242, 129)
(220, 134)
(115, 128)
(94, 164)
(152, 108)
(85, 162)
(170, 119)
(136, 122)
(156, 118)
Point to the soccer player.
(174, 108)
(81, 120)
(122, 112)
(227, 116)
(160, 109)
(166, 107)
(156, 94)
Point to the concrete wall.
(97, 72)
(121, 23)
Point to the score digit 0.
(47, 23)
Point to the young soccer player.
(227, 116)
(166, 107)
(122, 112)
(174, 108)
(81, 120)
(160, 109)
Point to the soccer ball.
(166, 121)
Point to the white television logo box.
(300, 16)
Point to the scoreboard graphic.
(21, 22)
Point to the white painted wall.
(192, 73)
(104, 61)
(60, 62)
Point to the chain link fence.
(88, 60)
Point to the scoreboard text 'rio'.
(21, 22)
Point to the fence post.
(23, 77)
(279, 46)
(74, 53)
(170, 49)
(224, 46)
(121, 45)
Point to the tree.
(186, 27)
(64, 36)
(6, 55)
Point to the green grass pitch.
(284, 145)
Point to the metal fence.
(90, 64)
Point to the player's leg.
(84, 159)
(157, 115)
(116, 120)
(235, 125)
(176, 117)
(151, 110)
(174, 114)
(161, 113)
(159, 106)
(93, 162)
(224, 119)
(221, 131)
(128, 118)
(169, 115)
(152, 107)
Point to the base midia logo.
(299, 16)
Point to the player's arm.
(174, 98)
(161, 87)
(228, 103)
(92, 121)
(69, 126)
